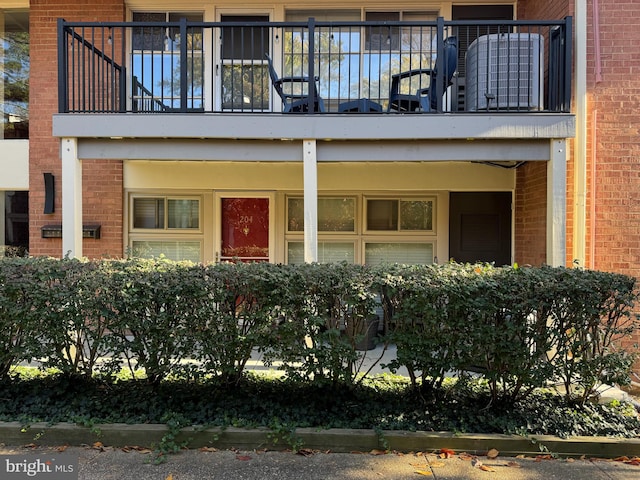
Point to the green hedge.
(519, 328)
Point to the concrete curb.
(335, 440)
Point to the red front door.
(245, 229)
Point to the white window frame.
(219, 61)
(361, 236)
(401, 198)
(165, 234)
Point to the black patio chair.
(296, 92)
(425, 99)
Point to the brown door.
(480, 227)
(244, 229)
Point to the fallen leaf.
(493, 453)
(466, 456)
(306, 452)
(136, 448)
(487, 468)
(436, 464)
(62, 448)
(377, 452)
(446, 453)
(571, 460)
(513, 465)
(539, 458)
(621, 459)
(98, 446)
(423, 472)
(169, 477)
(30, 445)
(244, 458)
(208, 449)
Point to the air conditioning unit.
(505, 71)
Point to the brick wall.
(102, 180)
(613, 138)
(531, 214)
(531, 179)
(614, 146)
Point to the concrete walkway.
(104, 463)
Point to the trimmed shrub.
(519, 328)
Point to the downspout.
(596, 40)
(592, 186)
(580, 150)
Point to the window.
(14, 215)
(156, 63)
(354, 62)
(404, 253)
(395, 230)
(166, 213)
(169, 226)
(328, 252)
(172, 249)
(15, 67)
(245, 76)
(400, 215)
(338, 50)
(334, 214)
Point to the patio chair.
(424, 99)
(295, 91)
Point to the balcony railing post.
(63, 71)
(311, 72)
(440, 62)
(183, 64)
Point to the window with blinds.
(161, 213)
(393, 230)
(172, 249)
(334, 214)
(159, 223)
(400, 214)
(402, 253)
(328, 252)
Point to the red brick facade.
(531, 179)
(102, 180)
(531, 214)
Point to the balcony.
(201, 80)
(519, 67)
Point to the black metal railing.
(315, 67)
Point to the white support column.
(310, 172)
(71, 199)
(557, 204)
